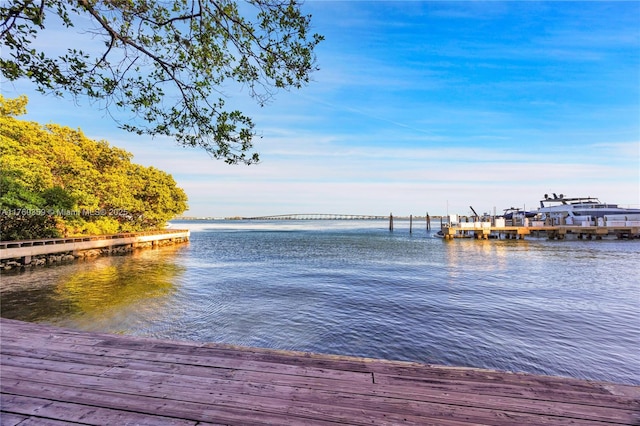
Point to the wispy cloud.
(420, 106)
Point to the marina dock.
(491, 229)
(58, 376)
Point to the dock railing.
(26, 248)
(619, 225)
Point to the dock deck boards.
(57, 376)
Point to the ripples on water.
(553, 307)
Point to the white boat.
(517, 213)
(560, 210)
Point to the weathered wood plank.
(232, 385)
(334, 362)
(198, 374)
(594, 393)
(265, 395)
(389, 369)
(32, 421)
(11, 419)
(213, 409)
(420, 390)
(388, 399)
(65, 339)
(83, 414)
(403, 371)
(214, 395)
(205, 361)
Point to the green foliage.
(58, 199)
(168, 61)
(22, 211)
(54, 181)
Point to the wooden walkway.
(28, 248)
(52, 376)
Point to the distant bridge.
(317, 216)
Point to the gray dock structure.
(25, 250)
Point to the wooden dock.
(24, 251)
(486, 230)
(56, 376)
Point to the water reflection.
(564, 308)
(90, 294)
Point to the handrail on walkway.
(83, 238)
(25, 249)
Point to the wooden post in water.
(390, 222)
(411, 224)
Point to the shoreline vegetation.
(56, 182)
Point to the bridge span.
(317, 216)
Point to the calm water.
(351, 287)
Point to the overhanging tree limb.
(166, 62)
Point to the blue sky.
(425, 107)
